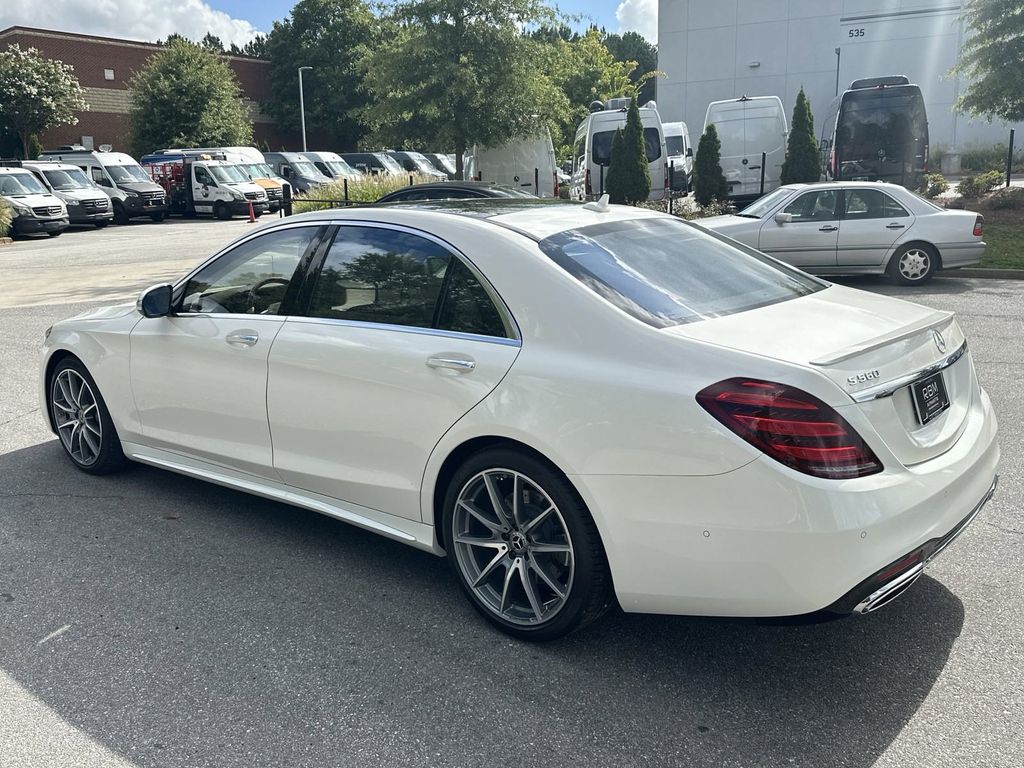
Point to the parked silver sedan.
(857, 228)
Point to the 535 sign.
(857, 32)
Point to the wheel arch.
(51, 363)
(912, 242)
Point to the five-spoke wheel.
(524, 547)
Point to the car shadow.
(180, 623)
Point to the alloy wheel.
(512, 547)
(914, 264)
(77, 416)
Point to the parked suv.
(131, 191)
(35, 209)
(87, 204)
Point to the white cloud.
(639, 16)
(131, 19)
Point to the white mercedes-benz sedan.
(574, 403)
(857, 228)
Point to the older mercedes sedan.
(576, 404)
(857, 228)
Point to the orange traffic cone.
(252, 215)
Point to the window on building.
(108, 74)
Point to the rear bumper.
(766, 541)
(961, 254)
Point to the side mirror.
(689, 151)
(783, 218)
(155, 301)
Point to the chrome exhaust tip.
(890, 591)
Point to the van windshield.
(674, 145)
(123, 173)
(19, 184)
(666, 272)
(601, 145)
(65, 180)
(226, 174)
(341, 168)
(388, 162)
(305, 169)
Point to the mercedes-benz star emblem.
(940, 343)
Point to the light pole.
(302, 108)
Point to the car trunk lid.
(873, 348)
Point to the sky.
(237, 21)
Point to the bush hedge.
(368, 189)
(6, 217)
(973, 187)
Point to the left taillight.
(979, 226)
(792, 426)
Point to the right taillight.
(792, 426)
(979, 226)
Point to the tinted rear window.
(666, 272)
(601, 145)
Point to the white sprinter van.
(592, 149)
(747, 127)
(524, 164)
(680, 156)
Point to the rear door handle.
(461, 364)
(242, 338)
(894, 225)
(827, 228)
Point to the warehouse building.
(104, 65)
(722, 49)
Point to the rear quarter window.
(666, 272)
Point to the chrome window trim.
(507, 318)
(440, 332)
(890, 387)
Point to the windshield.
(443, 162)
(341, 168)
(674, 145)
(762, 206)
(254, 171)
(64, 180)
(389, 162)
(122, 173)
(228, 174)
(601, 145)
(18, 184)
(305, 169)
(666, 272)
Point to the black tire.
(56, 234)
(109, 458)
(589, 589)
(120, 214)
(913, 264)
(101, 224)
(157, 217)
(221, 211)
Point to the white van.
(592, 149)
(34, 208)
(332, 166)
(746, 127)
(680, 156)
(524, 164)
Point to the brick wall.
(109, 99)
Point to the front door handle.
(461, 364)
(242, 338)
(827, 228)
(894, 225)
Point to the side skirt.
(409, 532)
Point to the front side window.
(251, 278)
(813, 206)
(666, 272)
(203, 176)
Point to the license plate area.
(930, 397)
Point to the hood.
(140, 186)
(81, 194)
(266, 183)
(34, 201)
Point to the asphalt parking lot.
(148, 619)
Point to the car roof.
(820, 184)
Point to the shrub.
(629, 177)
(1010, 199)
(714, 208)
(6, 217)
(708, 180)
(934, 185)
(368, 189)
(803, 161)
(990, 158)
(974, 187)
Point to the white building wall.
(722, 49)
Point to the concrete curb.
(6, 240)
(983, 273)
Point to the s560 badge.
(860, 378)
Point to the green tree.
(257, 47)
(187, 96)
(803, 163)
(634, 48)
(333, 37)
(581, 70)
(629, 176)
(708, 180)
(36, 93)
(212, 43)
(991, 59)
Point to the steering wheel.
(261, 285)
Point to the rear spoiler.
(931, 322)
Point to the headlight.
(130, 195)
(237, 195)
(20, 209)
(73, 202)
